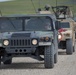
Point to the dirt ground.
(27, 66)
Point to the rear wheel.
(49, 57)
(0, 60)
(69, 46)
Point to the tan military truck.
(67, 35)
(67, 30)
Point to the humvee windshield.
(65, 25)
(24, 24)
(7, 25)
(38, 24)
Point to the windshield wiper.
(12, 23)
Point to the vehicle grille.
(20, 42)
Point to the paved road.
(27, 66)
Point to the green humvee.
(33, 35)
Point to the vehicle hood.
(31, 34)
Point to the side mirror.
(57, 25)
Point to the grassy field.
(26, 7)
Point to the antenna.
(56, 2)
(33, 6)
(39, 9)
(0, 13)
(73, 9)
(39, 3)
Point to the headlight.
(34, 42)
(67, 34)
(6, 42)
(59, 37)
(47, 38)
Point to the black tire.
(56, 54)
(69, 46)
(49, 57)
(9, 61)
(73, 48)
(0, 60)
(56, 57)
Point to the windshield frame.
(23, 22)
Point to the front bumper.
(20, 50)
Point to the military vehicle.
(67, 36)
(67, 31)
(29, 35)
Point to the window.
(38, 23)
(65, 25)
(10, 25)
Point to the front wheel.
(55, 57)
(49, 57)
(74, 47)
(69, 46)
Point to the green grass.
(26, 7)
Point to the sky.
(4, 0)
